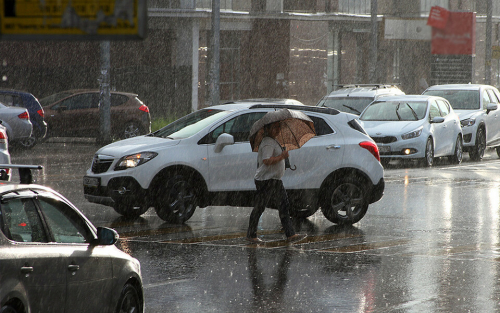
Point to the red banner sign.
(458, 37)
(438, 17)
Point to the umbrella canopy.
(296, 129)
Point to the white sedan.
(414, 127)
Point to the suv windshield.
(354, 105)
(459, 99)
(395, 111)
(190, 124)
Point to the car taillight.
(24, 116)
(3, 136)
(370, 146)
(144, 108)
(41, 113)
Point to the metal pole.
(488, 49)
(215, 45)
(373, 43)
(104, 95)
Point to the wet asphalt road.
(431, 244)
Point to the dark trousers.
(270, 191)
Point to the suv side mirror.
(222, 141)
(437, 119)
(491, 107)
(106, 236)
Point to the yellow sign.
(73, 19)
(496, 52)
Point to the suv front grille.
(386, 139)
(101, 164)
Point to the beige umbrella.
(296, 129)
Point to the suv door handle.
(73, 267)
(332, 147)
(26, 269)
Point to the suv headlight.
(134, 160)
(413, 134)
(468, 122)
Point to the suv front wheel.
(176, 199)
(347, 203)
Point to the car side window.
(443, 107)
(320, 126)
(65, 225)
(433, 110)
(82, 101)
(21, 222)
(11, 100)
(238, 127)
(117, 100)
(493, 96)
(486, 100)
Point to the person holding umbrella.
(264, 138)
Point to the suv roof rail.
(24, 171)
(323, 110)
(366, 85)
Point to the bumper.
(396, 149)
(377, 191)
(40, 131)
(118, 190)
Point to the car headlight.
(413, 134)
(134, 160)
(468, 122)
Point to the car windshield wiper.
(351, 108)
(397, 108)
(413, 112)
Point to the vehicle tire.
(457, 156)
(27, 143)
(429, 153)
(498, 151)
(348, 201)
(8, 309)
(176, 199)
(302, 210)
(131, 129)
(129, 300)
(130, 211)
(478, 151)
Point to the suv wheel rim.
(346, 199)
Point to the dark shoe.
(254, 240)
(295, 238)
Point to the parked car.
(355, 98)
(22, 99)
(479, 111)
(54, 260)
(414, 127)
(205, 158)
(17, 123)
(4, 153)
(76, 113)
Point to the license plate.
(91, 181)
(384, 149)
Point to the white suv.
(477, 107)
(205, 159)
(355, 98)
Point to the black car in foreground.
(52, 259)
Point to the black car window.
(117, 100)
(321, 127)
(238, 127)
(493, 96)
(21, 221)
(81, 101)
(11, 100)
(65, 225)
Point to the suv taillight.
(144, 108)
(3, 136)
(24, 116)
(370, 146)
(41, 113)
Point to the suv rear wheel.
(347, 203)
(176, 199)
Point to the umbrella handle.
(294, 167)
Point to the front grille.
(101, 164)
(386, 139)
